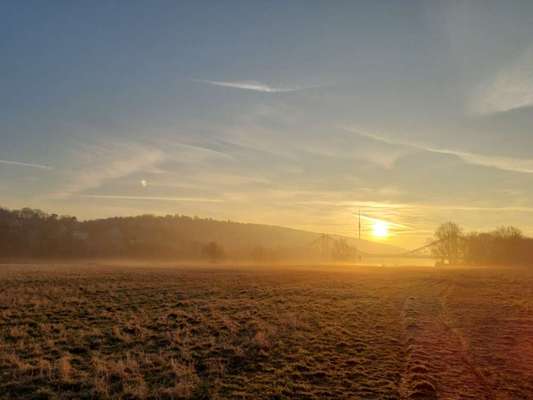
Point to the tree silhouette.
(213, 251)
(450, 245)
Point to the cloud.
(24, 164)
(510, 89)
(253, 85)
(482, 208)
(202, 152)
(394, 224)
(107, 163)
(502, 163)
(152, 198)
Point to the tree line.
(506, 245)
(29, 233)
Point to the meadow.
(97, 331)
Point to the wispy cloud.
(25, 164)
(522, 165)
(109, 163)
(198, 152)
(394, 224)
(510, 89)
(152, 198)
(480, 208)
(253, 85)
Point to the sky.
(293, 113)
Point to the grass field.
(96, 331)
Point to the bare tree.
(449, 248)
(213, 251)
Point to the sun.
(380, 229)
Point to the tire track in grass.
(414, 382)
(447, 323)
(437, 365)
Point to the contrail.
(24, 164)
(253, 86)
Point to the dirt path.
(438, 365)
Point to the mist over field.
(33, 234)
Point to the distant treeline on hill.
(29, 233)
(506, 245)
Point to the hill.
(33, 233)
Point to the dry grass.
(87, 332)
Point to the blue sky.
(296, 113)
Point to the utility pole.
(358, 256)
(359, 224)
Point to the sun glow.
(380, 229)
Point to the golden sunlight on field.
(110, 332)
